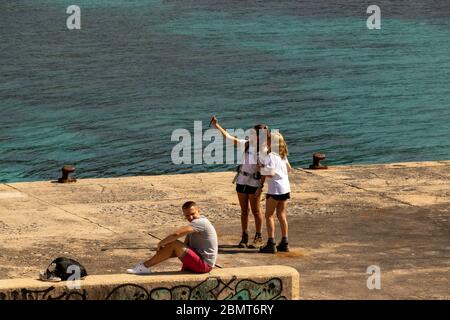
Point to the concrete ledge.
(247, 283)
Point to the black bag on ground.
(63, 268)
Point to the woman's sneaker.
(268, 248)
(244, 240)
(283, 247)
(139, 269)
(257, 243)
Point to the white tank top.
(248, 165)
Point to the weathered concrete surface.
(245, 283)
(342, 220)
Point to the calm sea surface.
(107, 98)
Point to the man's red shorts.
(194, 263)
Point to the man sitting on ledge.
(198, 253)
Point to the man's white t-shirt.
(277, 167)
(248, 165)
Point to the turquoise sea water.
(106, 98)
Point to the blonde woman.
(276, 167)
(248, 182)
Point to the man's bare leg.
(172, 250)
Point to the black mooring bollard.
(317, 157)
(66, 170)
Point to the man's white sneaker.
(139, 269)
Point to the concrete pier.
(342, 220)
(245, 283)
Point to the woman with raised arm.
(249, 182)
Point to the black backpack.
(60, 268)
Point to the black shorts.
(279, 197)
(243, 188)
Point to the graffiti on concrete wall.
(212, 288)
(47, 294)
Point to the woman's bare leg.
(243, 202)
(255, 205)
(281, 214)
(271, 205)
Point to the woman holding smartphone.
(248, 182)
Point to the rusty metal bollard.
(317, 157)
(66, 170)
